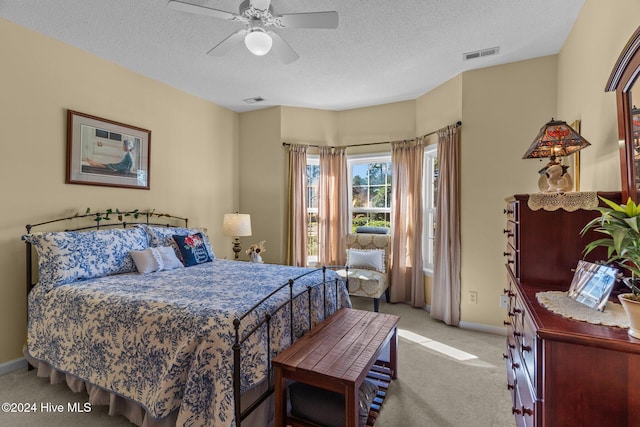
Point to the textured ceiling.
(381, 52)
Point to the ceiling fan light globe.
(258, 42)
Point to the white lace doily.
(558, 302)
(568, 201)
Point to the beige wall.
(584, 66)
(194, 156)
(263, 170)
(439, 107)
(388, 122)
(503, 109)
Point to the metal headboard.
(109, 218)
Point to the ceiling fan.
(258, 16)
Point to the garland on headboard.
(99, 216)
(106, 216)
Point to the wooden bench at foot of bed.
(336, 356)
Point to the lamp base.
(236, 248)
(554, 178)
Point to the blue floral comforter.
(164, 339)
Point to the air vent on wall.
(481, 53)
(253, 100)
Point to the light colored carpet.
(448, 377)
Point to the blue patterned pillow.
(163, 236)
(64, 257)
(193, 249)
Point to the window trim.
(312, 160)
(430, 152)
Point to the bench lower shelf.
(380, 375)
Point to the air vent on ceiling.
(481, 53)
(254, 100)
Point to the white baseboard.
(497, 330)
(13, 365)
(480, 327)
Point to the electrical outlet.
(473, 297)
(504, 301)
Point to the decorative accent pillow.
(64, 257)
(155, 259)
(193, 249)
(372, 230)
(370, 259)
(163, 236)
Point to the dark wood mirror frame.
(622, 79)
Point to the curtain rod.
(287, 144)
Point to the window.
(370, 191)
(313, 176)
(430, 187)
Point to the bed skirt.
(133, 411)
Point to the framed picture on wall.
(107, 153)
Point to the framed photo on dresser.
(592, 284)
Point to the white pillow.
(371, 259)
(145, 261)
(169, 258)
(155, 259)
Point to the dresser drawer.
(525, 412)
(511, 259)
(528, 353)
(511, 211)
(511, 231)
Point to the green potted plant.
(621, 225)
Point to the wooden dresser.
(561, 372)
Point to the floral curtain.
(445, 299)
(333, 206)
(297, 207)
(407, 277)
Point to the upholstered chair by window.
(368, 262)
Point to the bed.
(173, 346)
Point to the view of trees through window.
(370, 194)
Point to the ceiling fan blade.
(309, 20)
(286, 54)
(225, 45)
(260, 4)
(200, 10)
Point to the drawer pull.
(517, 334)
(504, 356)
(526, 348)
(510, 261)
(515, 366)
(517, 310)
(508, 233)
(506, 322)
(516, 411)
(510, 387)
(527, 411)
(512, 346)
(509, 292)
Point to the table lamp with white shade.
(236, 225)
